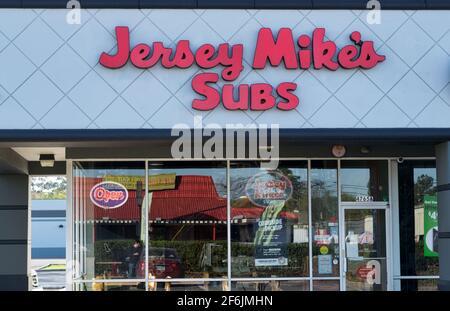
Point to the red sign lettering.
(307, 51)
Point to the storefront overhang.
(156, 143)
(88, 137)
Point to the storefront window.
(325, 218)
(125, 237)
(418, 222)
(111, 286)
(187, 220)
(425, 285)
(365, 248)
(269, 220)
(326, 285)
(108, 211)
(364, 181)
(198, 286)
(271, 285)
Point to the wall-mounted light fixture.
(47, 160)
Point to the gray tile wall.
(51, 78)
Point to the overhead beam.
(12, 163)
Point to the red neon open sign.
(306, 52)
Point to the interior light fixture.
(365, 149)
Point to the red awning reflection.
(194, 198)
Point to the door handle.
(344, 257)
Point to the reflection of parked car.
(35, 281)
(162, 263)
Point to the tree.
(48, 188)
(424, 185)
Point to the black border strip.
(416, 136)
(232, 4)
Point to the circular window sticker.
(109, 195)
(264, 188)
(323, 250)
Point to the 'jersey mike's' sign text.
(304, 53)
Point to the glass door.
(365, 261)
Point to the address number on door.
(364, 198)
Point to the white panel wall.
(45, 230)
(50, 77)
(48, 205)
(46, 233)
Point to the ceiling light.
(47, 160)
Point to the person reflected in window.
(133, 258)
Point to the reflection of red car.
(162, 263)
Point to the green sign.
(430, 226)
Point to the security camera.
(400, 160)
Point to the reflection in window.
(326, 285)
(325, 218)
(107, 211)
(365, 239)
(418, 221)
(366, 228)
(187, 220)
(269, 220)
(271, 285)
(364, 181)
(198, 286)
(109, 286)
(420, 285)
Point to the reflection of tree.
(347, 197)
(324, 199)
(423, 186)
(324, 207)
(299, 198)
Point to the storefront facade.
(194, 227)
(356, 105)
